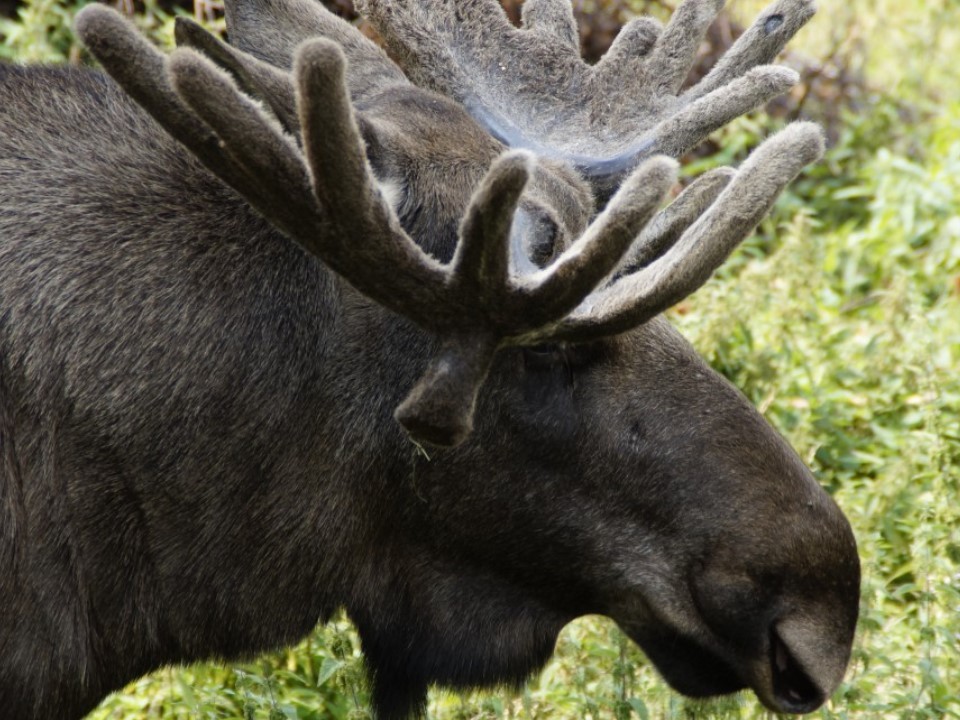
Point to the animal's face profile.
(621, 477)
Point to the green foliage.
(42, 32)
(840, 319)
(323, 677)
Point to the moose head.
(305, 244)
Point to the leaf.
(640, 708)
(328, 669)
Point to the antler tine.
(481, 264)
(247, 149)
(553, 19)
(440, 407)
(630, 47)
(255, 77)
(139, 69)
(421, 31)
(273, 36)
(636, 298)
(669, 224)
(759, 45)
(686, 129)
(381, 260)
(254, 139)
(559, 288)
(341, 201)
(676, 49)
(689, 127)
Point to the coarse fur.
(198, 456)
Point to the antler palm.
(532, 89)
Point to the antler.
(263, 38)
(633, 299)
(531, 88)
(325, 197)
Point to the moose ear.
(271, 30)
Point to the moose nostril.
(795, 692)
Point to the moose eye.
(576, 357)
(535, 238)
(543, 357)
(542, 242)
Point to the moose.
(285, 328)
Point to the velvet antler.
(323, 194)
(531, 88)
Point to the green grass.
(840, 319)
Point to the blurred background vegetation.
(840, 319)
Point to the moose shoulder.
(223, 273)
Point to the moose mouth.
(777, 678)
(687, 666)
